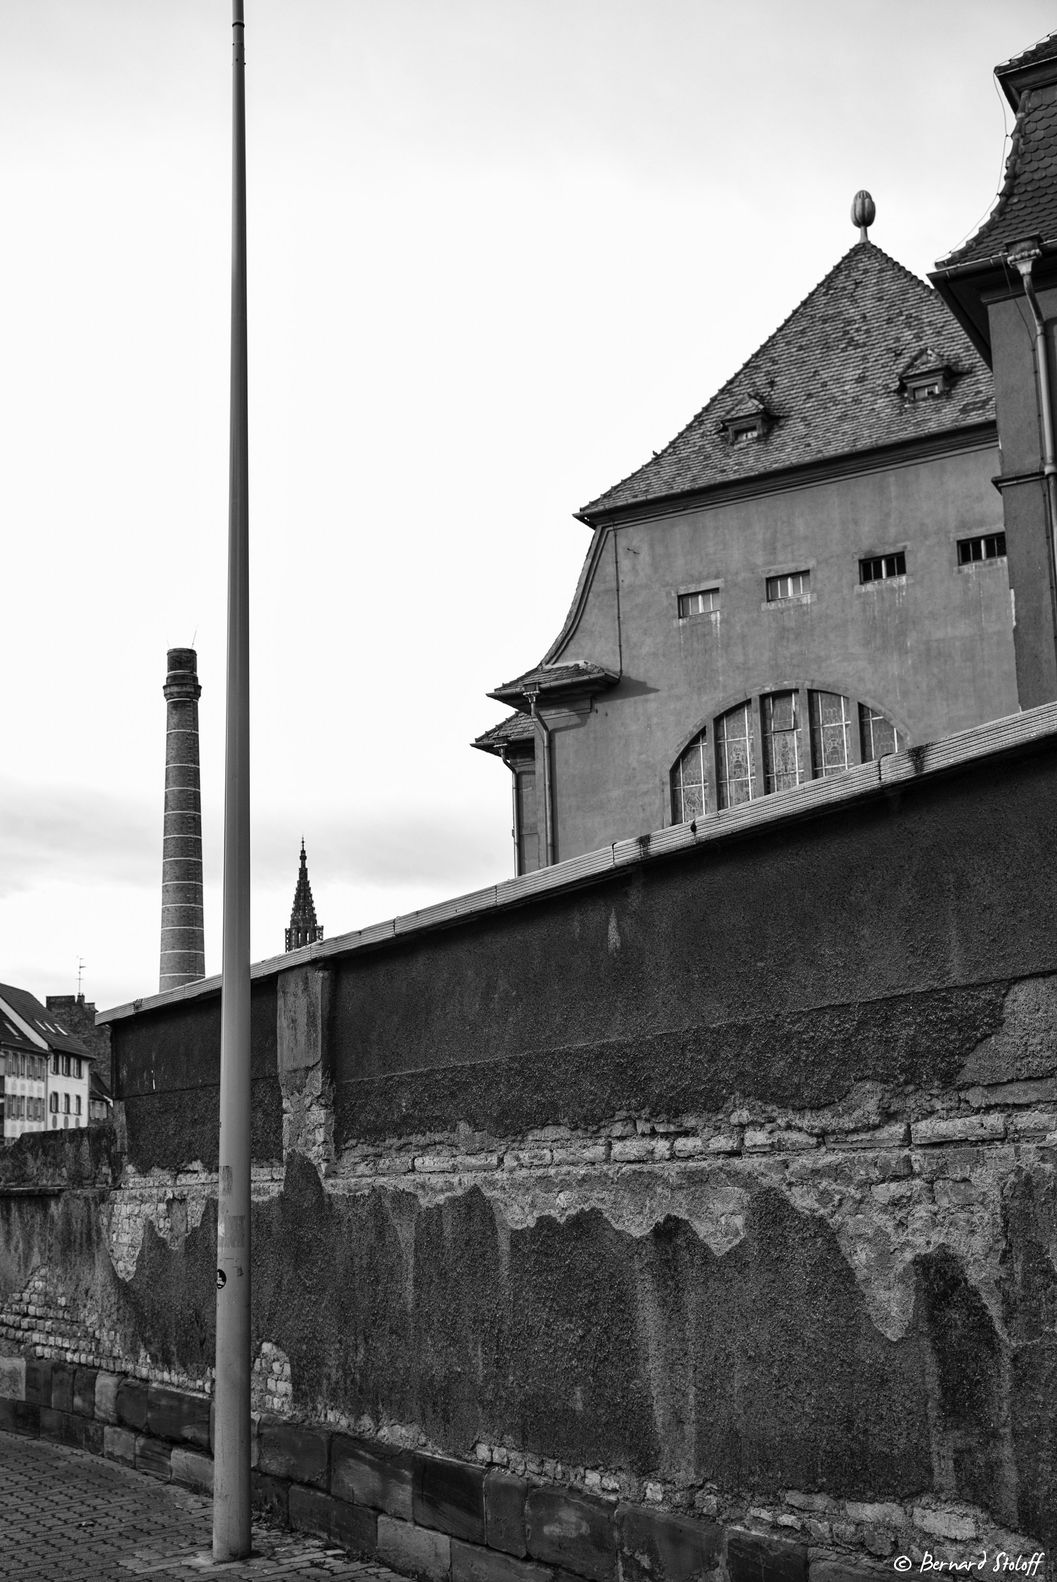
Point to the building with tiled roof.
(44, 1068)
(810, 574)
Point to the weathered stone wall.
(544, 1198)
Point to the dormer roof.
(829, 379)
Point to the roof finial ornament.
(863, 213)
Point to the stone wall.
(682, 1265)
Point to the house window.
(66, 1103)
(831, 748)
(704, 602)
(783, 757)
(735, 757)
(790, 585)
(690, 781)
(792, 735)
(77, 1104)
(879, 568)
(53, 1103)
(989, 546)
(66, 1065)
(879, 735)
(55, 1065)
(54, 1122)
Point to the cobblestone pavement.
(66, 1516)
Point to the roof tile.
(1027, 204)
(830, 375)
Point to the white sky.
(500, 250)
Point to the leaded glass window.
(831, 746)
(879, 735)
(735, 753)
(690, 796)
(783, 751)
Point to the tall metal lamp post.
(231, 1476)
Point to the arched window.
(772, 741)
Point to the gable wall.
(935, 652)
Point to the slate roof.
(515, 728)
(12, 1036)
(41, 1020)
(1045, 49)
(568, 677)
(1027, 203)
(830, 375)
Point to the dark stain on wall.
(804, 1060)
(572, 1340)
(969, 1387)
(1029, 1302)
(167, 1065)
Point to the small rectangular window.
(989, 546)
(878, 568)
(791, 585)
(704, 602)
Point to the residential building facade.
(46, 1069)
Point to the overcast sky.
(500, 250)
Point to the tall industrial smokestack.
(183, 955)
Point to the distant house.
(46, 1068)
(810, 575)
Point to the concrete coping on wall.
(879, 777)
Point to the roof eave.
(802, 474)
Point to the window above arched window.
(772, 741)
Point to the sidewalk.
(66, 1516)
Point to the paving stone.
(113, 1524)
(470, 1563)
(192, 1468)
(351, 1526)
(415, 1549)
(62, 1387)
(178, 1415)
(656, 1546)
(153, 1456)
(373, 1476)
(106, 1388)
(38, 1380)
(270, 1496)
(288, 1450)
(504, 1512)
(132, 1404)
(84, 1391)
(567, 1530)
(20, 1417)
(449, 1495)
(119, 1444)
(752, 1558)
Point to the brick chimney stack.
(182, 935)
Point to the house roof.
(1027, 202)
(830, 377)
(1017, 73)
(576, 675)
(515, 728)
(29, 1009)
(12, 1036)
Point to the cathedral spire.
(303, 930)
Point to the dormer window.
(753, 422)
(926, 378)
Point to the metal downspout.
(1023, 263)
(548, 809)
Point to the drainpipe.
(1022, 258)
(548, 810)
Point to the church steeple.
(303, 930)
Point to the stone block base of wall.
(447, 1520)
